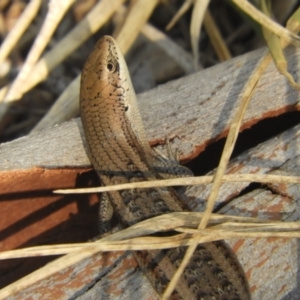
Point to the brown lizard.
(120, 153)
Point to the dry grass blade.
(228, 148)
(150, 226)
(266, 22)
(89, 25)
(181, 57)
(136, 18)
(143, 243)
(199, 9)
(276, 45)
(66, 106)
(19, 28)
(278, 57)
(220, 227)
(183, 9)
(184, 181)
(293, 22)
(96, 18)
(216, 39)
(44, 272)
(61, 263)
(233, 133)
(42, 250)
(155, 243)
(56, 11)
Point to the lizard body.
(120, 153)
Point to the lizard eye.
(111, 66)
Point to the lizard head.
(107, 92)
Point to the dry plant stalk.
(184, 181)
(200, 7)
(230, 141)
(20, 27)
(220, 227)
(96, 18)
(266, 22)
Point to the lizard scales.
(119, 152)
